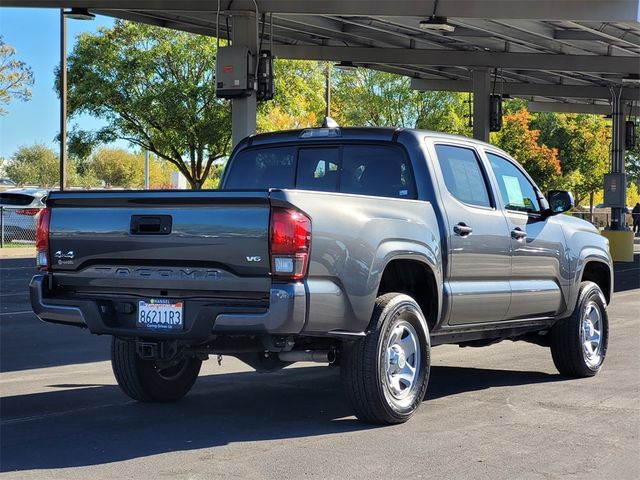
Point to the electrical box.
(495, 113)
(614, 190)
(265, 76)
(629, 134)
(233, 72)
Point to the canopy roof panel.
(549, 50)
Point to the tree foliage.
(583, 146)
(372, 98)
(299, 99)
(36, 165)
(522, 142)
(116, 167)
(16, 77)
(155, 87)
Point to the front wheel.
(148, 381)
(579, 342)
(385, 374)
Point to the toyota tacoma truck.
(357, 247)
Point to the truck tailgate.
(179, 240)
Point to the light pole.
(328, 90)
(78, 14)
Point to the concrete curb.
(24, 252)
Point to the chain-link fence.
(17, 226)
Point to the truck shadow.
(627, 275)
(96, 424)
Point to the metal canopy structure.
(568, 51)
(548, 51)
(578, 56)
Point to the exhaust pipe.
(318, 356)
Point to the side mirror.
(559, 201)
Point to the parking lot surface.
(495, 412)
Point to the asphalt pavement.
(498, 412)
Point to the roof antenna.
(330, 123)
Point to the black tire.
(141, 380)
(571, 356)
(366, 362)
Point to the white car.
(19, 208)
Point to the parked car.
(363, 248)
(6, 183)
(20, 207)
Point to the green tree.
(116, 167)
(16, 78)
(583, 146)
(299, 99)
(372, 98)
(155, 87)
(522, 142)
(36, 165)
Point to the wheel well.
(598, 273)
(416, 280)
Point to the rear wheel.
(149, 380)
(579, 342)
(385, 374)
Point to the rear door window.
(318, 169)
(259, 169)
(376, 170)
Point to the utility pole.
(146, 169)
(63, 98)
(328, 89)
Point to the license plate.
(160, 314)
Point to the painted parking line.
(22, 312)
(12, 421)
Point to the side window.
(462, 175)
(262, 168)
(516, 190)
(318, 169)
(376, 170)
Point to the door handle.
(518, 234)
(462, 229)
(150, 225)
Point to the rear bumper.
(285, 314)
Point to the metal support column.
(63, 98)
(243, 109)
(481, 93)
(617, 156)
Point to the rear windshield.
(378, 170)
(15, 199)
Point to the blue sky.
(35, 33)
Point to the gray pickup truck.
(357, 247)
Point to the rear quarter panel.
(353, 239)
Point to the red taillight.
(28, 211)
(42, 239)
(290, 243)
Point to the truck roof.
(346, 133)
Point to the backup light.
(438, 24)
